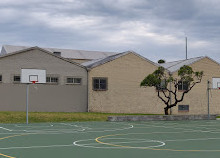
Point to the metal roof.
(43, 50)
(65, 53)
(94, 63)
(176, 65)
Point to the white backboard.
(215, 82)
(29, 75)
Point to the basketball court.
(182, 139)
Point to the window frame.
(50, 79)
(74, 78)
(99, 84)
(183, 84)
(183, 108)
(13, 78)
(162, 86)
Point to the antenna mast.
(186, 48)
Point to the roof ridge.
(185, 59)
(59, 48)
(44, 50)
(181, 61)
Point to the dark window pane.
(77, 80)
(96, 86)
(185, 85)
(0, 78)
(99, 84)
(54, 79)
(103, 86)
(48, 79)
(69, 80)
(96, 81)
(183, 107)
(180, 85)
(17, 78)
(102, 81)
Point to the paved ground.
(167, 139)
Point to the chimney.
(57, 53)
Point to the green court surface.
(167, 139)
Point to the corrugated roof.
(65, 53)
(176, 65)
(32, 48)
(97, 62)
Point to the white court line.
(80, 145)
(29, 147)
(194, 139)
(6, 129)
(74, 125)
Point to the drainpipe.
(87, 90)
(170, 97)
(208, 98)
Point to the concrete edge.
(160, 117)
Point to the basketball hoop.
(33, 82)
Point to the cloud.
(145, 26)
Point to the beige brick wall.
(124, 94)
(197, 97)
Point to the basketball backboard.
(33, 76)
(216, 83)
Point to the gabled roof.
(176, 65)
(101, 61)
(65, 53)
(43, 50)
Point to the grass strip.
(37, 117)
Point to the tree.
(160, 79)
(161, 61)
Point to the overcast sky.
(155, 29)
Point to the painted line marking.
(29, 147)
(10, 137)
(150, 148)
(6, 129)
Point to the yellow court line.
(10, 137)
(6, 155)
(98, 141)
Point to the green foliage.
(154, 79)
(151, 80)
(161, 61)
(185, 73)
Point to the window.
(73, 80)
(183, 108)
(183, 85)
(162, 85)
(99, 83)
(16, 78)
(52, 79)
(0, 78)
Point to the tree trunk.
(166, 111)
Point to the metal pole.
(186, 47)
(208, 98)
(170, 100)
(27, 97)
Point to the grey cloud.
(153, 28)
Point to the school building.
(81, 81)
